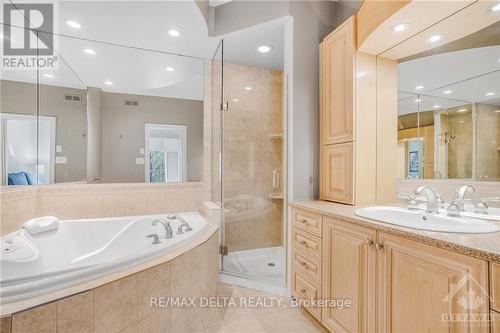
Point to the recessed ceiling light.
(419, 87)
(361, 74)
(400, 27)
(50, 76)
(89, 51)
(418, 100)
(248, 88)
(495, 8)
(108, 83)
(73, 24)
(174, 33)
(265, 48)
(434, 38)
(489, 93)
(169, 69)
(447, 92)
(235, 100)
(462, 110)
(437, 106)
(461, 121)
(497, 111)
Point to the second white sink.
(424, 221)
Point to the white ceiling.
(469, 74)
(145, 25)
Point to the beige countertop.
(482, 246)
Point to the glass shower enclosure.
(248, 162)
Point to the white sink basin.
(424, 221)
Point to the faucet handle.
(481, 207)
(453, 209)
(156, 238)
(412, 203)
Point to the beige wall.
(71, 123)
(123, 133)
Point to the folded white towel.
(41, 224)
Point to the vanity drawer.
(309, 266)
(307, 221)
(495, 286)
(305, 289)
(306, 243)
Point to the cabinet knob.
(303, 242)
(303, 221)
(368, 242)
(302, 290)
(379, 246)
(348, 131)
(303, 263)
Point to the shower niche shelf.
(276, 136)
(275, 195)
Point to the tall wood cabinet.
(337, 61)
(352, 87)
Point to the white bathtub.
(82, 250)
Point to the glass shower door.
(252, 172)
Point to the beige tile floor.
(284, 319)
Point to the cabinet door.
(337, 84)
(337, 173)
(349, 273)
(421, 287)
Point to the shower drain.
(272, 264)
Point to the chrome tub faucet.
(166, 226)
(183, 224)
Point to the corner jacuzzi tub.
(83, 250)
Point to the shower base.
(262, 269)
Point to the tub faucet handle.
(156, 238)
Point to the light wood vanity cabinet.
(418, 284)
(306, 258)
(495, 286)
(394, 284)
(337, 72)
(348, 271)
(338, 183)
(350, 84)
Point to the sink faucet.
(460, 194)
(166, 225)
(431, 196)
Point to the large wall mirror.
(107, 113)
(449, 110)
